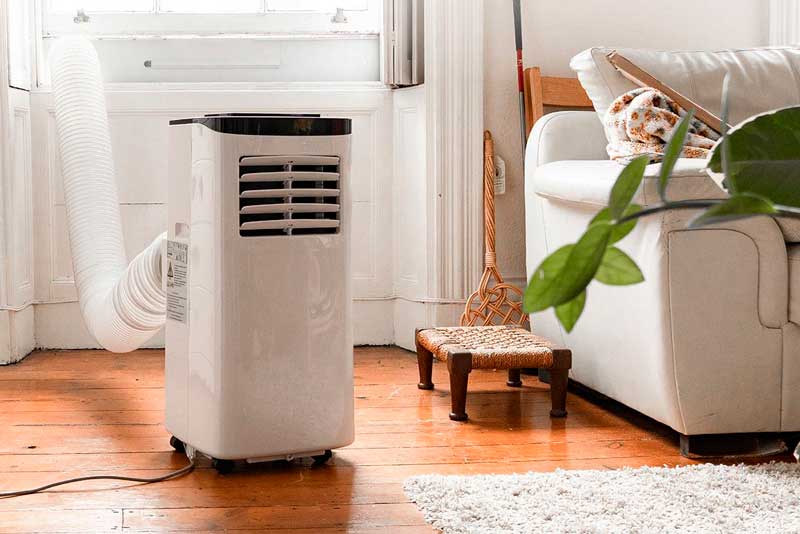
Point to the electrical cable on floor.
(168, 476)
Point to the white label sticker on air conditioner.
(177, 280)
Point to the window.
(211, 17)
(186, 41)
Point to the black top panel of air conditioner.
(271, 124)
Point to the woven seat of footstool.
(491, 347)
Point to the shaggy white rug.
(699, 498)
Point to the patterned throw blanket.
(642, 121)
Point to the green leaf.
(569, 312)
(778, 181)
(618, 269)
(582, 263)
(739, 206)
(626, 186)
(763, 156)
(565, 273)
(673, 152)
(619, 231)
(539, 287)
(572, 275)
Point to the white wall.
(20, 43)
(410, 201)
(139, 124)
(392, 196)
(17, 250)
(554, 31)
(394, 199)
(16, 213)
(18, 204)
(414, 200)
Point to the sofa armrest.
(767, 241)
(590, 182)
(566, 135)
(727, 301)
(681, 347)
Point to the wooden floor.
(63, 414)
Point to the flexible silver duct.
(123, 305)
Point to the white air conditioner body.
(259, 361)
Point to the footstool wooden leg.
(425, 363)
(514, 378)
(558, 392)
(459, 365)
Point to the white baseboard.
(372, 322)
(410, 315)
(60, 326)
(375, 322)
(16, 334)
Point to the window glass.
(102, 6)
(209, 17)
(315, 5)
(211, 6)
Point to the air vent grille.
(288, 195)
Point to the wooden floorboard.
(63, 414)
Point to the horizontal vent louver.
(288, 195)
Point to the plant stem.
(678, 205)
(788, 211)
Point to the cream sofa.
(710, 342)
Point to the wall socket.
(499, 176)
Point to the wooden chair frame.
(541, 91)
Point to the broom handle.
(520, 74)
(490, 259)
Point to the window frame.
(155, 23)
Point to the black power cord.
(168, 476)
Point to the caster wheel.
(322, 458)
(177, 444)
(223, 467)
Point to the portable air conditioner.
(259, 361)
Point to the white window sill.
(255, 36)
(287, 87)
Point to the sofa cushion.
(761, 78)
(790, 228)
(793, 252)
(590, 182)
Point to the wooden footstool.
(465, 348)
